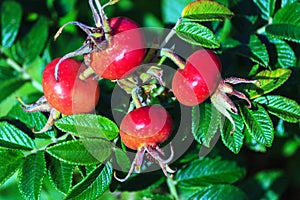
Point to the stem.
(106, 27)
(96, 16)
(171, 33)
(86, 73)
(172, 188)
(14, 65)
(172, 56)
(136, 99)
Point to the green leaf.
(233, 141)
(207, 171)
(286, 23)
(171, 10)
(31, 176)
(285, 54)
(34, 41)
(269, 81)
(11, 14)
(282, 107)
(248, 46)
(259, 124)
(122, 159)
(219, 191)
(205, 123)
(8, 103)
(12, 137)
(206, 10)
(10, 160)
(60, 174)
(89, 125)
(94, 185)
(10, 86)
(81, 152)
(252, 143)
(267, 8)
(197, 34)
(34, 120)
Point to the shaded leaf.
(267, 8)
(205, 123)
(81, 152)
(285, 54)
(219, 191)
(93, 185)
(31, 176)
(259, 124)
(207, 171)
(282, 107)
(89, 125)
(10, 161)
(206, 10)
(286, 23)
(60, 174)
(269, 81)
(11, 14)
(248, 46)
(12, 137)
(34, 120)
(233, 141)
(252, 143)
(122, 159)
(197, 34)
(10, 86)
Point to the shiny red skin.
(199, 79)
(125, 52)
(148, 125)
(70, 95)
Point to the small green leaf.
(31, 176)
(286, 23)
(34, 41)
(206, 10)
(81, 152)
(285, 55)
(219, 191)
(266, 7)
(34, 120)
(248, 46)
(282, 107)
(89, 125)
(197, 34)
(10, 160)
(207, 171)
(269, 81)
(205, 123)
(259, 124)
(233, 141)
(60, 174)
(11, 14)
(93, 185)
(12, 137)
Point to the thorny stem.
(172, 56)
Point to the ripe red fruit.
(143, 129)
(124, 53)
(69, 95)
(199, 79)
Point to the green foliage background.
(261, 37)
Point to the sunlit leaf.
(266, 7)
(206, 10)
(197, 34)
